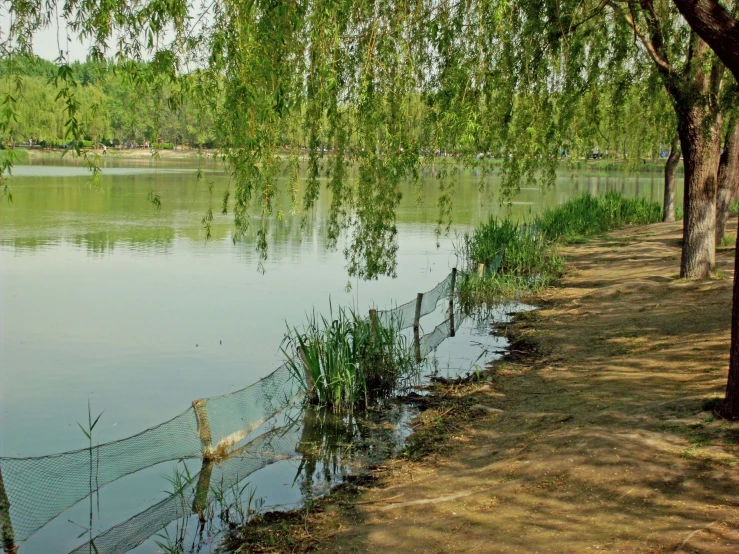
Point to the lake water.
(105, 299)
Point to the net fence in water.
(431, 340)
(268, 448)
(405, 314)
(39, 489)
(33, 491)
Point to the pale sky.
(46, 43)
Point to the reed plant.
(521, 258)
(348, 360)
(517, 259)
(504, 246)
(587, 215)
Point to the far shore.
(602, 164)
(132, 153)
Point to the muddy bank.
(594, 434)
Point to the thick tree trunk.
(730, 408)
(701, 147)
(673, 160)
(715, 25)
(728, 180)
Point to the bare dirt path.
(594, 436)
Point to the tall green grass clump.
(522, 258)
(351, 361)
(587, 215)
(517, 259)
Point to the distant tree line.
(112, 106)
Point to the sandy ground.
(595, 435)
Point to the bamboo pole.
(6, 525)
(309, 382)
(201, 415)
(451, 302)
(416, 327)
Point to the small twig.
(376, 501)
(690, 536)
(427, 501)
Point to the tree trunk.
(668, 210)
(701, 146)
(728, 180)
(730, 409)
(715, 25)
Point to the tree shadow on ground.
(595, 437)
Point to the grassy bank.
(506, 260)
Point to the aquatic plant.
(504, 246)
(519, 259)
(348, 361)
(505, 260)
(587, 215)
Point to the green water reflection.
(103, 297)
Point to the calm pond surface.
(105, 299)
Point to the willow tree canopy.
(377, 86)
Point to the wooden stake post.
(201, 415)
(200, 502)
(417, 326)
(451, 302)
(373, 323)
(6, 526)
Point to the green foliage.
(506, 247)
(521, 259)
(110, 104)
(729, 239)
(15, 156)
(587, 215)
(352, 362)
(517, 259)
(367, 91)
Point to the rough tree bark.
(728, 179)
(693, 86)
(715, 25)
(701, 152)
(673, 160)
(730, 408)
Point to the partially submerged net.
(39, 489)
(268, 448)
(403, 316)
(431, 340)
(33, 491)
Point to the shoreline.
(599, 165)
(595, 432)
